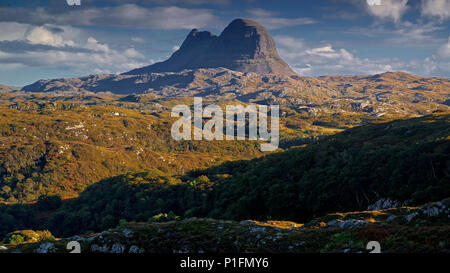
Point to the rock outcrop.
(244, 46)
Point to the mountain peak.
(196, 37)
(244, 45)
(244, 25)
(246, 36)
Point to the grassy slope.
(427, 231)
(405, 160)
(61, 144)
(62, 148)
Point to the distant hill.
(6, 88)
(242, 63)
(391, 93)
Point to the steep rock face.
(244, 46)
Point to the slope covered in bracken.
(406, 161)
(422, 229)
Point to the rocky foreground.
(398, 230)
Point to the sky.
(45, 39)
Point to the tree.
(48, 202)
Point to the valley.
(92, 159)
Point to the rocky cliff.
(244, 45)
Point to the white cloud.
(12, 31)
(310, 60)
(328, 52)
(410, 33)
(80, 56)
(389, 9)
(178, 2)
(94, 45)
(438, 8)
(42, 36)
(289, 43)
(269, 20)
(133, 53)
(323, 60)
(444, 51)
(137, 39)
(127, 15)
(405, 33)
(257, 12)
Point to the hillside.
(59, 144)
(406, 161)
(384, 95)
(62, 147)
(6, 88)
(422, 229)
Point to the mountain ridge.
(244, 45)
(378, 94)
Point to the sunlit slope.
(63, 147)
(405, 160)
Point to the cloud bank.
(42, 47)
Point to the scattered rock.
(117, 248)
(97, 248)
(257, 229)
(391, 218)
(346, 223)
(409, 217)
(135, 250)
(385, 203)
(127, 233)
(45, 248)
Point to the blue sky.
(50, 39)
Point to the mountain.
(242, 63)
(389, 93)
(244, 45)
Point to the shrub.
(123, 223)
(163, 217)
(16, 239)
(48, 202)
(20, 236)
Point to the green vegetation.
(424, 233)
(61, 148)
(29, 236)
(405, 160)
(52, 145)
(16, 239)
